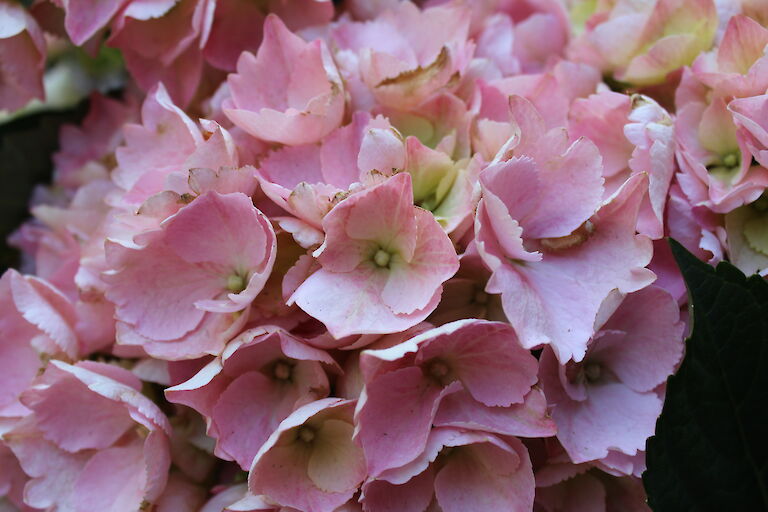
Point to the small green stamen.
(236, 283)
(382, 258)
(731, 160)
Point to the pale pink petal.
(337, 464)
(60, 408)
(395, 230)
(485, 356)
(557, 300)
(411, 285)
(284, 467)
(52, 471)
(601, 118)
(395, 418)
(46, 308)
(528, 419)
(486, 476)
(246, 413)
(112, 479)
(613, 417)
(743, 43)
(414, 495)
(652, 347)
(276, 100)
(349, 303)
(22, 57)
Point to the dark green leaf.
(710, 450)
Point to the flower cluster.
(388, 257)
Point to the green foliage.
(710, 450)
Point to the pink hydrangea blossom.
(310, 462)
(405, 55)
(738, 67)
(158, 153)
(119, 459)
(405, 385)
(365, 256)
(217, 253)
(277, 100)
(609, 401)
(563, 486)
(715, 162)
(381, 251)
(458, 471)
(282, 371)
(235, 26)
(555, 261)
(634, 135)
(641, 43)
(87, 150)
(36, 323)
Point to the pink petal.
(112, 479)
(412, 285)
(46, 308)
(247, 412)
(413, 496)
(613, 417)
(528, 419)
(395, 418)
(336, 300)
(391, 222)
(601, 118)
(276, 100)
(84, 18)
(284, 467)
(23, 48)
(652, 347)
(743, 44)
(557, 300)
(337, 464)
(52, 471)
(486, 357)
(59, 410)
(486, 476)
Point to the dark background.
(26, 147)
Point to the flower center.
(382, 258)
(306, 434)
(236, 283)
(725, 167)
(438, 371)
(730, 160)
(281, 371)
(592, 372)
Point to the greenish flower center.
(725, 167)
(236, 283)
(382, 258)
(592, 371)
